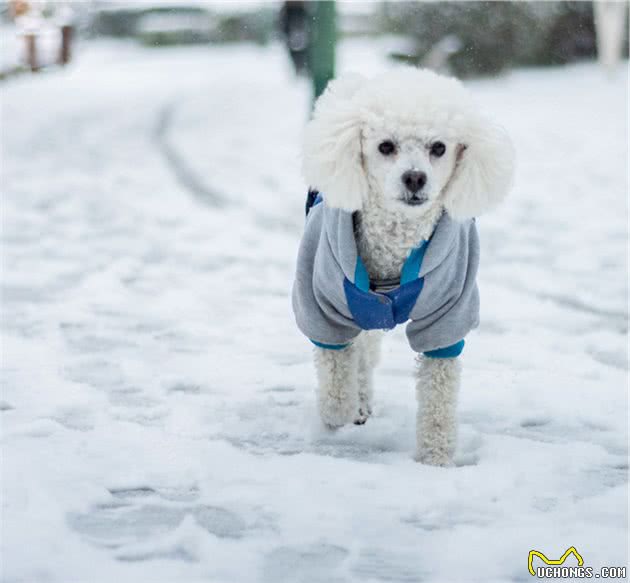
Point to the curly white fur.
(384, 256)
(413, 109)
(338, 380)
(369, 355)
(345, 390)
(437, 386)
(405, 98)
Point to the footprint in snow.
(279, 389)
(182, 494)
(177, 553)
(534, 422)
(76, 419)
(131, 397)
(379, 565)
(135, 514)
(315, 563)
(185, 388)
(117, 524)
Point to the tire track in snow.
(190, 180)
(185, 176)
(578, 305)
(617, 318)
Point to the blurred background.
(458, 37)
(157, 402)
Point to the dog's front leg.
(370, 344)
(436, 390)
(338, 391)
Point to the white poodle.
(402, 164)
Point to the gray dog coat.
(334, 299)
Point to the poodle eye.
(387, 147)
(438, 149)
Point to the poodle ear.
(332, 146)
(483, 173)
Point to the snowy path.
(157, 405)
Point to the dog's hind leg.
(338, 390)
(437, 390)
(368, 359)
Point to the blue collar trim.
(409, 272)
(361, 276)
(413, 263)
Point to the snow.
(158, 416)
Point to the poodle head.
(411, 138)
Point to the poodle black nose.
(414, 180)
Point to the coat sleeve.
(453, 296)
(318, 299)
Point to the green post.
(322, 50)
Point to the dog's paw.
(437, 458)
(363, 415)
(334, 417)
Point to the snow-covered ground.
(158, 417)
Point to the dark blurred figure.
(294, 25)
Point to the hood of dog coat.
(333, 298)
